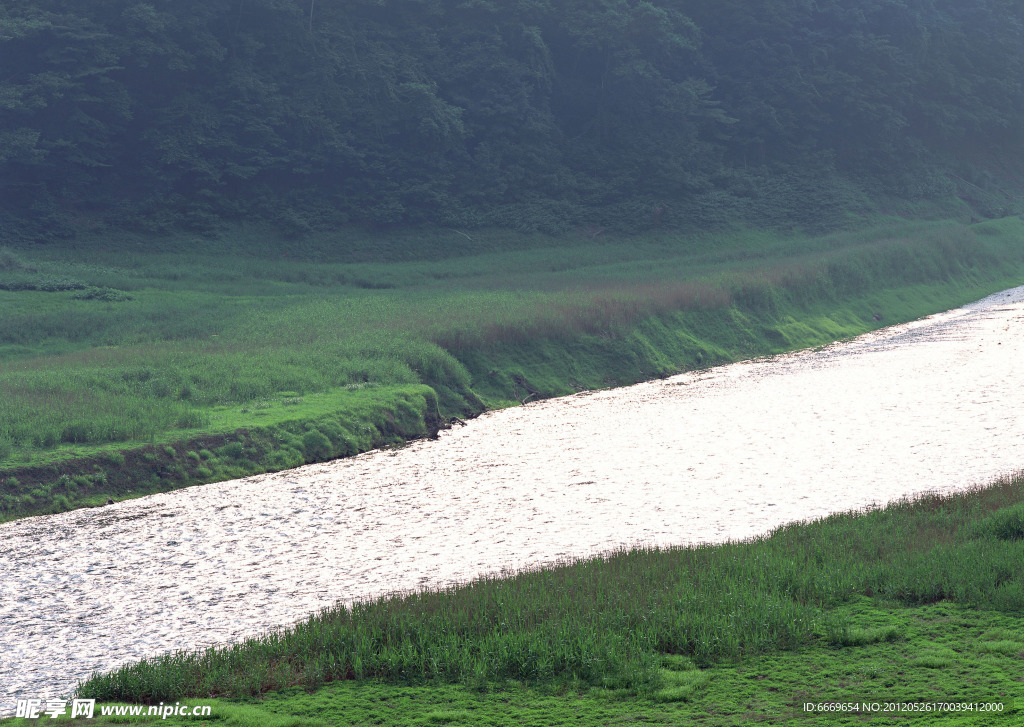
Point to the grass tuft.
(1007, 647)
(852, 636)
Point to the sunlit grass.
(251, 319)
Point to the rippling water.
(724, 453)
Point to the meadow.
(133, 364)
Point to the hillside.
(550, 115)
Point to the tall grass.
(239, 328)
(605, 621)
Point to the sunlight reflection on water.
(724, 453)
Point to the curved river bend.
(725, 453)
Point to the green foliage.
(546, 115)
(294, 361)
(234, 450)
(113, 457)
(46, 283)
(316, 445)
(842, 634)
(1007, 524)
(198, 344)
(76, 432)
(107, 295)
(9, 261)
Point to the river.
(725, 453)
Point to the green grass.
(770, 688)
(125, 343)
(288, 431)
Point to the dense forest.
(528, 114)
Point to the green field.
(127, 366)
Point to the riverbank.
(925, 652)
(913, 603)
(129, 371)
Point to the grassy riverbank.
(919, 601)
(129, 367)
(935, 650)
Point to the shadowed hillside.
(550, 115)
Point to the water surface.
(725, 453)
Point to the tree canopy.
(533, 114)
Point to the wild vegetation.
(224, 222)
(654, 624)
(126, 370)
(902, 654)
(546, 115)
(240, 235)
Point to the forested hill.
(532, 114)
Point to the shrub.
(45, 283)
(160, 388)
(331, 430)
(1008, 524)
(76, 433)
(1005, 524)
(234, 450)
(192, 419)
(286, 459)
(107, 295)
(47, 439)
(114, 458)
(10, 261)
(316, 445)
